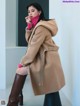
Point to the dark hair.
(39, 8)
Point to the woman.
(41, 60)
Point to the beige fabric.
(42, 57)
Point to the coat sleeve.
(27, 34)
(33, 48)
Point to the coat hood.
(50, 24)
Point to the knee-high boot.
(52, 99)
(16, 90)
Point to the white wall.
(68, 20)
(11, 22)
(2, 44)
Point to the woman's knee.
(22, 71)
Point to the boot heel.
(20, 100)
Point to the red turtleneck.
(34, 21)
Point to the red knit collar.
(34, 20)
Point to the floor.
(29, 98)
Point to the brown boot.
(16, 90)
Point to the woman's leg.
(16, 89)
(52, 99)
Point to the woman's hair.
(39, 8)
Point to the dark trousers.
(52, 99)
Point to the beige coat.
(42, 57)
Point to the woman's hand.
(28, 19)
(20, 65)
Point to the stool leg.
(52, 99)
